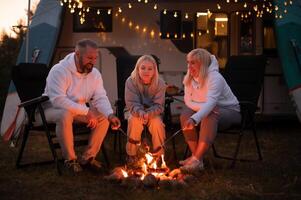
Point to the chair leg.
(54, 154)
(214, 151)
(51, 145)
(104, 152)
(236, 150)
(24, 140)
(257, 144)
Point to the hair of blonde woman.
(135, 73)
(204, 58)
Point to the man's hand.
(189, 124)
(115, 122)
(92, 119)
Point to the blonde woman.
(209, 102)
(144, 98)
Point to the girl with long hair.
(144, 98)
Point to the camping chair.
(244, 75)
(30, 80)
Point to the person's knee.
(156, 122)
(185, 115)
(65, 116)
(135, 122)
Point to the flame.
(144, 168)
(124, 173)
(163, 165)
(149, 165)
(149, 158)
(154, 165)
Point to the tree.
(9, 48)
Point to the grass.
(276, 177)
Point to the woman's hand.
(189, 124)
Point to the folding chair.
(244, 75)
(30, 80)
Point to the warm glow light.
(152, 33)
(221, 19)
(198, 14)
(124, 173)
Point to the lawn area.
(276, 177)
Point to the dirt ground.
(278, 176)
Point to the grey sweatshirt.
(150, 101)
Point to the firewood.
(150, 180)
(174, 173)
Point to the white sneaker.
(183, 162)
(193, 165)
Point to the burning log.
(174, 173)
(150, 180)
(150, 171)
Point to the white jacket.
(71, 90)
(214, 92)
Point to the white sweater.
(71, 90)
(214, 92)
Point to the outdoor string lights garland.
(246, 9)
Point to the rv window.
(98, 21)
(269, 39)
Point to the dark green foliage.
(9, 48)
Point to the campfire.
(150, 170)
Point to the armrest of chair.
(34, 101)
(248, 105)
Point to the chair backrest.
(245, 75)
(29, 80)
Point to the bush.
(9, 48)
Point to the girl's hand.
(142, 116)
